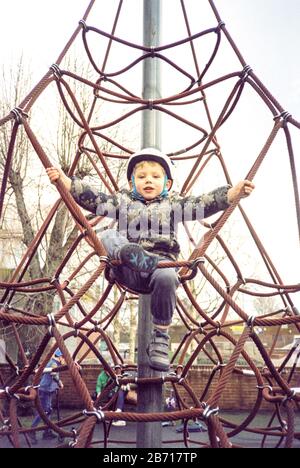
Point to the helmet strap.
(165, 191)
(135, 192)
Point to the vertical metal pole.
(151, 124)
(149, 435)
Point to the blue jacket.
(49, 380)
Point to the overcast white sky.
(267, 34)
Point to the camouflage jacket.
(154, 223)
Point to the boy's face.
(150, 179)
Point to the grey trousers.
(161, 284)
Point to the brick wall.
(240, 393)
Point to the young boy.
(147, 216)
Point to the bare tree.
(15, 84)
(19, 216)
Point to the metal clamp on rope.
(83, 24)
(56, 71)
(246, 70)
(35, 387)
(76, 329)
(283, 115)
(98, 413)
(96, 326)
(73, 443)
(194, 268)
(152, 52)
(219, 365)
(208, 412)
(52, 323)
(196, 262)
(11, 395)
(262, 387)
(221, 24)
(219, 326)
(288, 397)
(54, 281)
(104, 259)
(18, 114)
(285, 425)
(250, 321)
(5, 426)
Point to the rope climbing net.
(274, 383)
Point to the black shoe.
(48, 435)
(137, 259)
(61, 439)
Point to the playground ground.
(124, 437)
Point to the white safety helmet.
(151, 154)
